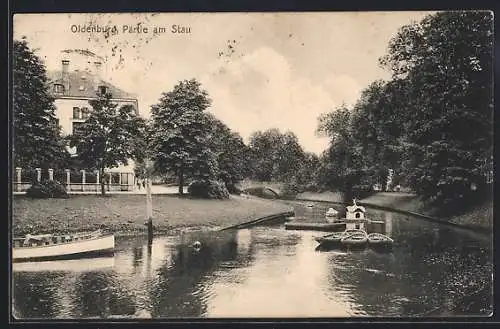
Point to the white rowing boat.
(354, 238)
(378, 239)
(69, 246)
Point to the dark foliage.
(47, 189)
(208, 189)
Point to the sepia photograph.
(251, 165)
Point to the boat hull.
(379, 240)
(330, 240)
(71, 265)
(354, 239)
(95, 247)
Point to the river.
(267, 271)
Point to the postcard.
(252, 165)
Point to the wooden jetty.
(326, 227)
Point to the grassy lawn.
(126, 214)
(480, 216)
(398, 200)
(324, 196)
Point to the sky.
(272, 70)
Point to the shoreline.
(125, 215)
(408, 204)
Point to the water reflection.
(269, 272)
(388, 223)
(33, 295)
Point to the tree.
(290, 157)
(231, 153)
(377, 119)
(179, 134)
(262, 145)
(342, 165)
(446, 62)
(275, 155)
(37, 135)
(110, 137)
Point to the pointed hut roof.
(355, 207)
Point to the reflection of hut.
(331, 212)
(388, 223)
(355, 217)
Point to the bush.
(290, 190)
(363, 191)
(208, 189)
(47, 189)
(233, 189)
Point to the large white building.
(73, 86)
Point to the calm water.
(267, 272)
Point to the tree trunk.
(181, 181)
(103, 188)
(347, 196)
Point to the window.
(58, 88)
(80, 113)
(77, 113)
(85, 112)
(103, 90)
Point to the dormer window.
(103, 90)
(58, 88)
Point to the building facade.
(73, 88)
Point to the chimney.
(65, 74)
(97, 73)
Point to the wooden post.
(68, 180)
(109, 181)
(97, 180)
(83, 179)
(18, 178)
(149, 211)
(38, 174)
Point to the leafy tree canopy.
(37, 135)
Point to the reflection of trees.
(34, 294)
(428, 266)
(98, 294)
(179, 290)
(137, 256)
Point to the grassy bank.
(125, 214)
(480, 217)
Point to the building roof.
(87, 80)
(355, 208)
